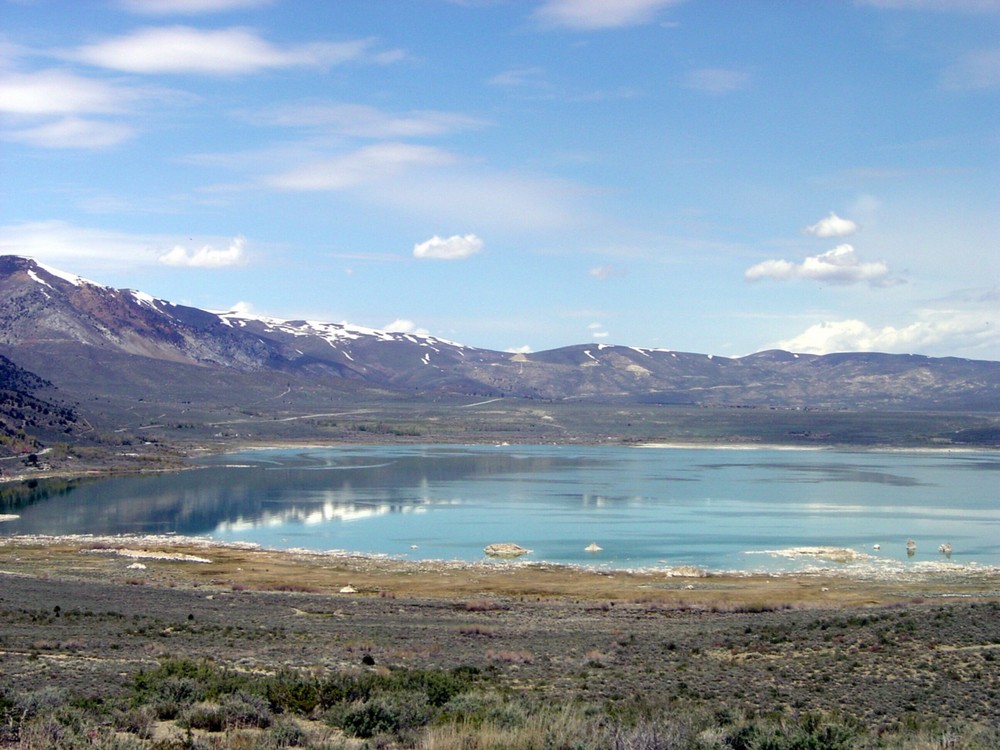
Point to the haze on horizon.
(698, 175)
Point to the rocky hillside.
(25, 419)
(93, 341)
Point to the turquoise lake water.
(717, 509)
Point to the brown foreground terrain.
(152, 644)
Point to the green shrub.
(287, 734)
(138, 720)
(40, 702)
(245, 710)
(292, 692)
(205, 716)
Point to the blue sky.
(708, 176)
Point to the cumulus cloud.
(832, 226)
(456, 247)
(186, 7)
(402, 325)
(183, 49)
(937, 333)
(589, 15)
(207, 257)
(839, 266)
(716, 80)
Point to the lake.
(646, 507)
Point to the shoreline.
(191, 562)
(184, 456)
(828, 561)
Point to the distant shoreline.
(830, 563)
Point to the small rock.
(505, 549)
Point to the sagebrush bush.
(242, 710)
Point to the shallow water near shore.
(755, 510)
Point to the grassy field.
(143, 644)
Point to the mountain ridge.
(90, 340)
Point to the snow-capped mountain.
(92, 340)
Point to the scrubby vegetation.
(187, 704)
(96, 653)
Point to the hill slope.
(94, 342)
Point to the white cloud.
(839, 266)
(368, 164)
(243, 308)
(519, 349)
(604, 272)
(484, 197)
(438, 185)
(520, 77)
(832, 226)
(73, 132)
(206, 257)
(716, 80)
(32, 100)
(597, 331)
(586, 15)
(361, 121)
(183, 49)
(81, 249)
(455, 247)
(52, 92)
(937, 333)
(402, 325)
(89, 250)
(423, 181)
(171, 7)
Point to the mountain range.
(68, 343)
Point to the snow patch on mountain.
(145, 299)
(39, 279)
(72, 278)
(333, 333)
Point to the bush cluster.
(223, 709)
